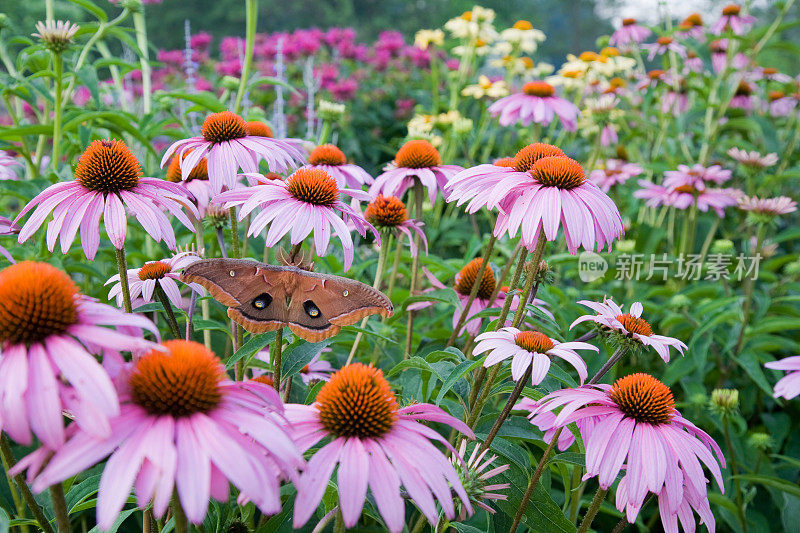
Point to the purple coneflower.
(629, 33)
(743, 97)
(184, 428)
(142, 281)
(780, 105)
(614, 172)
(49, 334)
(732, 19)
(7, 228)
(686, 195)
(415, 160)
(663, 45)
(529, 349)
(309, 200)
(389, 212)
(780, 205)
(631, 324)
(537, 103)
(229, 144)
(753, 159)
(696, 176)
(692, 27)
(638, 431)
(332, 160)
(107, 180)
(376, 445)
(7, 164)
(789, 385)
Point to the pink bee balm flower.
(7, 228)
(142, 281)
(49, 334)
(780, 205)
(464, 281)
(732, 19)
(7, 164)
(107, 180)
(789, 385)
(486, 185)
(307, 201)
(329, 158)
(415, 160)
(529, 349)
(662, 46)
(753, 159)
(183, 428)
(377, 446)
(610, 316)
(536, 103)
(614, 172)
(638, 431)
(229, 144)
(389, 213)
(554, 193)
(630, 33)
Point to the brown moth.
(264, 297)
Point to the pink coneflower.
(743, 96)
(780, 205)
(389, 212)
(691, 27)
(49, 334)
(486, 185)
(107, 180)
(316, 370)
(614, 172)
(229, 146)
(464, 281)
(331, 159)
(545, 421)
(663, 45)
(692, 63)
(529, 349)
(415, 160)
(7, 228)
(554, 193)
(183, 428)
(376, 445)
(780, 105)
(770, 74)
(675, 102)
(142, 281)
(719, 57)
(629, 33)
(732, 19)
(196, 182)
(789, 385)
(685, 196)
(475, 477)
(753, 159)
(7, 164)
(639, 432)
(307, 201)
(631, 325)
(696, 176)
(537, 103)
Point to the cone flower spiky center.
(180, 382)
(313, 186)
(507, 162)
(643, 398)
(327, 154)
(199, 172)
(530, 154)
(38, 300)
(731, 10)
(635, 324)
(558, 171)
(744, 89)
(538, 88)
(692, 21)
(386, 211)
(266, 379)
(628, 21)
(225, 126)
(257, 128)
(108, 166)
(664, 41)
(357, 402)
(533, 341)
(469, 274)
(417, 154)
(154, 270)
(776, 95)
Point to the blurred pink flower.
(789, 385)
(536, 103)
(630, 33)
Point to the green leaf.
(253, 345)
(369, 333)
(200, 324)
(79, 492)
(17, 132)
(203, 98)
(92, 8)
(296, 357)
(456, 374)
(447, 296)
(775, 482)
(542, 514)
(414, 362)
(269, 80)
(117, 523)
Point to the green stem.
(414, 266)
(536, 259)
(60, 508)
(325, 132)
(473, 293)
(123, 279)
(58, 66)
(181, 524)
(597, 501)
(140, 26)
(613, 360)
(19, 479)
(251, 11)
(537, 474)
(171, 320)
(48, 10)
(735, 472)
(338, 524)
(234, 233)
(383, 253)
(276, 359)
(512, 399)
(204, 307)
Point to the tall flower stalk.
(140, 26)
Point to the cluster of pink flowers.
(687, 187)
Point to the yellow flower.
(424, 38)
(486, 87)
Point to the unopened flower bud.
(725, 401)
